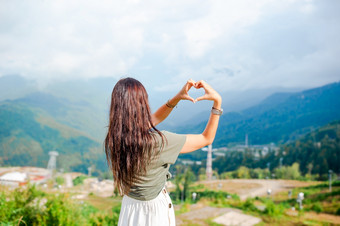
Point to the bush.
(338, 212)
(79, 180)
(288, 172)
(243, 172)
(60, 180)
(274, 210)
(30, 206)
(317, 207)
(248, 205)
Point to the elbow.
(209, 141)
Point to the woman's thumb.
(200, 98)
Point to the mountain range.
(71, 118)
(280, 118)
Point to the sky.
(232, 44)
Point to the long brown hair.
(131, 135)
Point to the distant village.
(20, 176)
(14, 177)
(256, 150)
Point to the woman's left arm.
(163, 112)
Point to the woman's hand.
(210, 93)
(196, 141)
(183, 93)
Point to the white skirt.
(156, 212)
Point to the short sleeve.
(172, 146)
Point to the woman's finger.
(199, 84)
(187, 97)
(204, 97)
(190, 83)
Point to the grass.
(320, 205)
(104, 203)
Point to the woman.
(140, 155)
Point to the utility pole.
(89, 170)
(52, 162)
(330, 179)
(209, 163)
(281, 159)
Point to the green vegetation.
(318, 198)
(25, 141)
(280, 118)
(79, 180)
(30, 206)
(277, 209)
(308, 158)
(183, 181)
(60, 180)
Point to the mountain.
(81, 115)
(233, 101)
(81, 104)
(28, 133)
(280, 118)
(316, 153)
(15, 86)
(94, 96)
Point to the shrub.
(79, 180)
(30, 206)
(60, 180)
(274, 210)
(249, 205)
(338, 212)
(317, 207)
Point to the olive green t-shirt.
(150, 185)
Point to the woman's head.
(129, 141)
(130, 100)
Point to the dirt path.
(198, 216)
(324, 217)
(226, 216)
(254, 187)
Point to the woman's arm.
(163, 112)
(195, 142)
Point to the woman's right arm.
(196, 141)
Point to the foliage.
(338, 211)
(318, 198)
(30, 206)
(60, 180)
(183, 182)
(288, 172)
(312, 156)
(248, 205)
(24, 140)
(317, 207)
(79, 180)
(273, 209)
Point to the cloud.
(232, 44)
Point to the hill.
(28, 133)
(316, 153)
(280, 118)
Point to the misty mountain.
(88, 100)
(280, 118)
(71, 117)
(27, 134)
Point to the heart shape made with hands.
(197, 91)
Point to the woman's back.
(140, 155)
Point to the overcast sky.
(237, 44)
